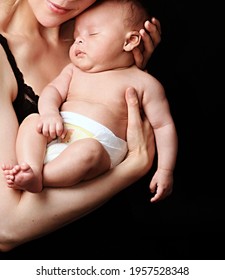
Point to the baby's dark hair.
(136, 14)
(134, 10)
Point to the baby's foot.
(22, 177)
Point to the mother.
(37, 33)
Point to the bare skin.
(35, 38)
(101, 63)
(53, 205)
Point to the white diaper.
(80, 127)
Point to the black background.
(189, 224)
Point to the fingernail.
(132, 96)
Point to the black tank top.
(26, 100)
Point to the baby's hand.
(51, 126)
(161, 184)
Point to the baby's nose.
(79, 40)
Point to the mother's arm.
(25, 216)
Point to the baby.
(83, 113)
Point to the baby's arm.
(157, 109)
(53, 95)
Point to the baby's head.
(133, 12)
(106, 33)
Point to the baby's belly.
(115, 120)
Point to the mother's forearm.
(28, 216)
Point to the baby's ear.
(133, 39)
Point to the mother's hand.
(140, 136)
(151, 36)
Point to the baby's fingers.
(156, 197)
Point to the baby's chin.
(91, 68)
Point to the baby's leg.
(82, 160)
(30, 148)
